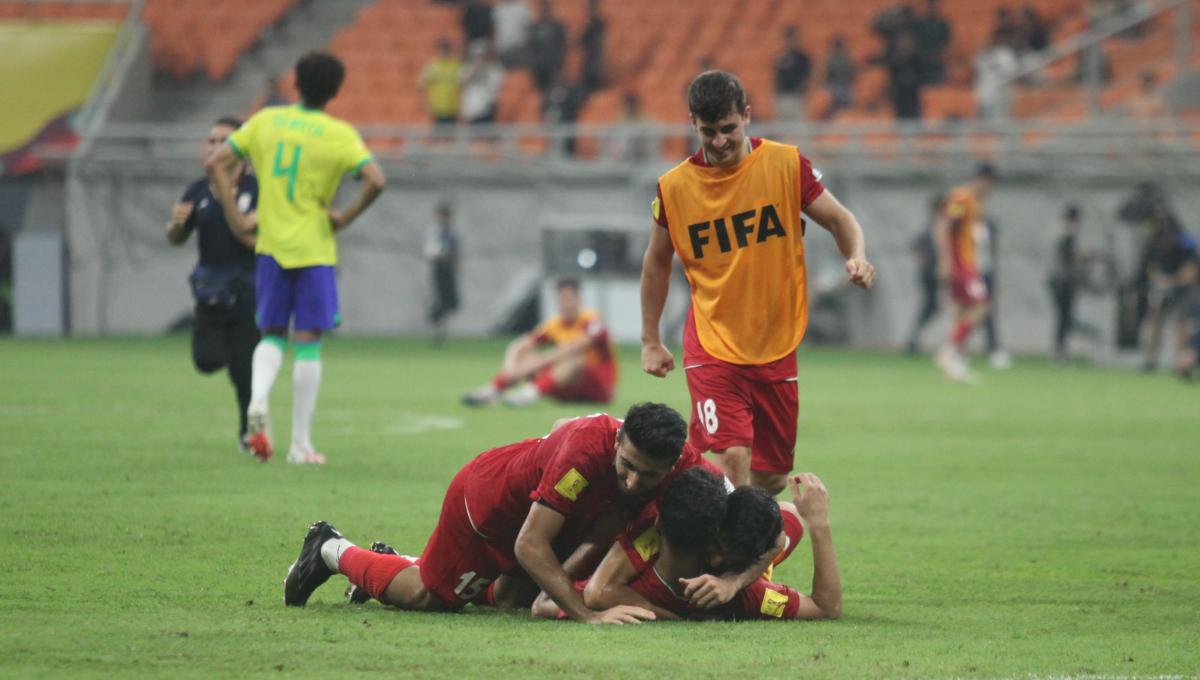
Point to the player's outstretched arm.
(609, 586)
(656, 281)
(376, 183)
(812, 502)
(219, 167)
(839, 221)
(539, 561)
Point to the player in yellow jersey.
(956, 234)
(300, 154)
(732, 213)
(569, 357)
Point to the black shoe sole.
(308, 572)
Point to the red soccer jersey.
(572, 471)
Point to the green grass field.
(1046, 523)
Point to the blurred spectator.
(1034, 31)
(631, 140)
(592, 42)
(563, 104)
(440, 80)
(924, 251)
(1168, 266)
(477, 24)
(932, 32)
(987, 251)
(547, 47)
(1066, 276)
(1148, 103)
(1006, 30)
(271, 95)
(840, 71)
(441, 250)
(904, 68)
(995, 65)
(512, 19)
(481, 80)
(1090, 58)
(892, 22)
(793, 69)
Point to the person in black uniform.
(224, 333)
(924, 251)
(441, 249)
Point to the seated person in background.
(660, 562)
(579, 364)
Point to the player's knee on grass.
(515, 591)
(567, 371)
(772, 482)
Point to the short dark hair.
(229, 121)
(319, 75)
(690, 510)
(985, 170)
(573, 284)
(715, 94)
(657, 431)
(751, 526)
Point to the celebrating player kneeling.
(510, 513)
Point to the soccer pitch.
(1045, 523)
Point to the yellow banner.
(47, 70)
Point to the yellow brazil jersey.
(300, 156)
(963, 209)
(441, 79)
(738, 233)
(557, 331)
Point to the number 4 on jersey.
(289, 170)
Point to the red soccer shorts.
(731, 408)
(457, 563)
(595, 384)
(968, 289)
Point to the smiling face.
(637, 473)
(724, 140)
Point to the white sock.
(264, 366)
(331, 551)
(306, 382)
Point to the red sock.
(370, 570)
(961, 331)
(544, 382)
(500, 382)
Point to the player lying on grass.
(661, 563)
(515, 511)
(569, 357)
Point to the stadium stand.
(230, 27)
(660, 45)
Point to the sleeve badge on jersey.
(773, 603)
(656, 208)
(647, 543)
(571, 485)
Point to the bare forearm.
(848, 235)
(827, 582)
(539, 561)
(175, 233)
(656, 281)
(361, 202)
(615, 595)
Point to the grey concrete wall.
(125, 278)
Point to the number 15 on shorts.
(469, 587)
(707, 412)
